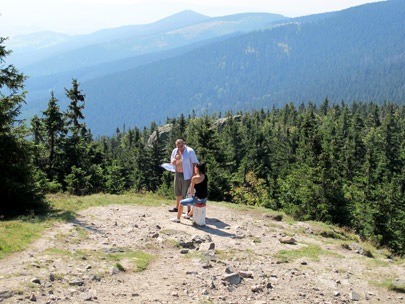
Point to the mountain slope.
(355, 54)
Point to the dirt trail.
(78, 262)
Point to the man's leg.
(178, 181)
(178, 199)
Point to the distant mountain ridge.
(128, 41)
(354, 54)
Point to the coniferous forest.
(340, 163)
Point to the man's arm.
(173, 157)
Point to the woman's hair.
(201, 167)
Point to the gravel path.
(99, 257)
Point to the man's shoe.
(175, 219)
(173, 210)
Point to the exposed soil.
(80, 262)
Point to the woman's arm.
(192, 186)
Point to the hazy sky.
(86, 16)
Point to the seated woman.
(199, 182)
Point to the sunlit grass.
(17, 234)
(389, 284)
(139, 258)
(310, 251)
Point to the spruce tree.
(55, 130)
(18, 186)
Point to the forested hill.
(354, 54)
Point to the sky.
(87, 16)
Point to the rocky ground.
(238, 257)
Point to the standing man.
(185, 160)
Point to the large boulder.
(163, 132)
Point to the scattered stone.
(191, 272)
(346, 246)
(92, 277)
(336, 294)
(184, 251)
(274, 217)
(210, 255)
(205, 264)
(207, 246)
(113, 250)
(246, 274)
(35, 265)
(154, 235)
(76, 282)
(360, 250)
(197, 239)
(398, 283)
(86, 297)
(233, 278)
(175, 294)
(88, 267)
(238, 235)
(135, 294)
(186, 244)
(257, 288)
(287, 240)
(228, 270)
(51, 277)
(304, 263)
(354, 296)
(33, 298)
(114, 270)
(212, 286)
(5, 295)
(35, 281)
(205, 292)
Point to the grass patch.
(264, 210)
(239, 255)
(77, 203)
(77, 254)
(139, 258)
(388, 284)
(310, 251)
(333, 232)
(16, 234)
(255, 239)
(119, 267)
(372, 263)
(194, 255)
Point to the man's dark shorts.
(181, 185)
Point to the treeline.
(339, 163)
